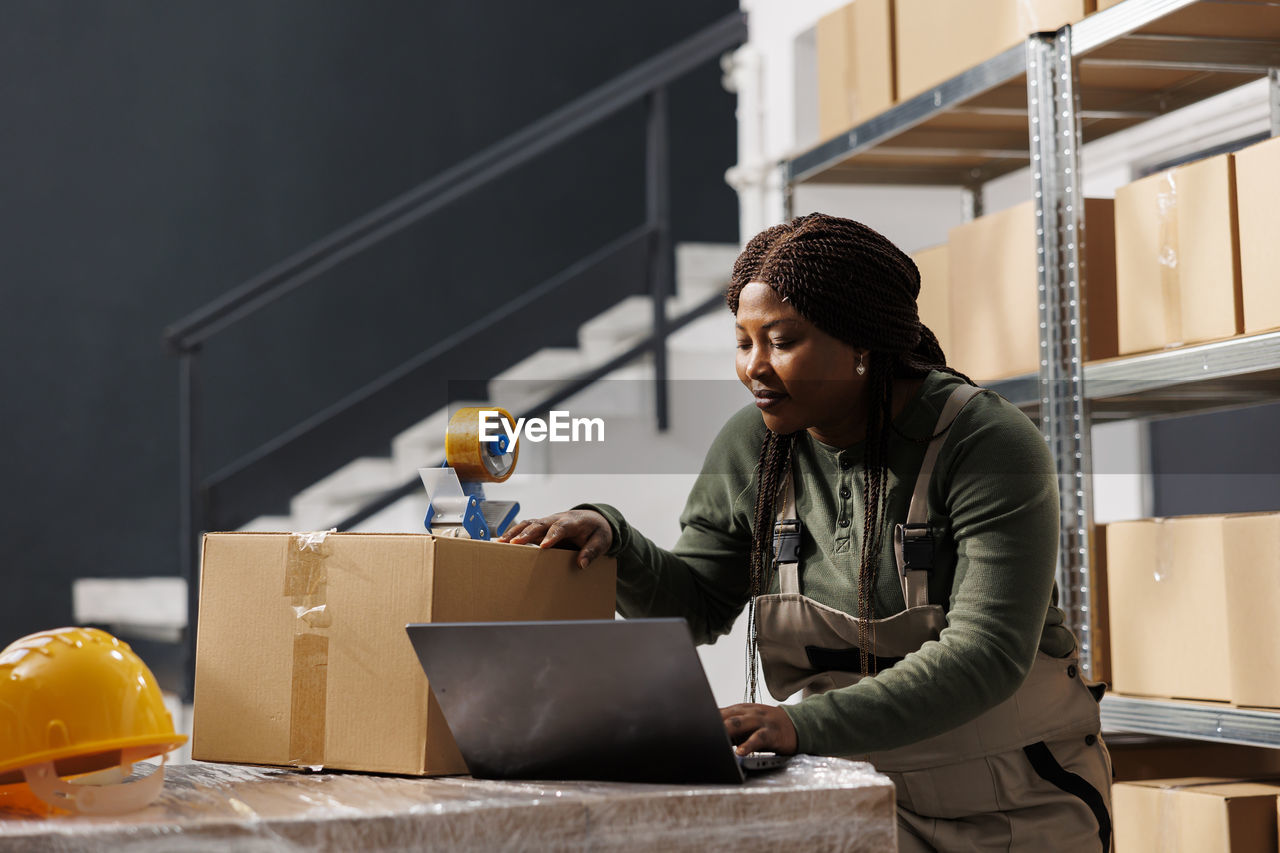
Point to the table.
(813, 804)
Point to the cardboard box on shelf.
(1099, 610)
(302, 656)
(937, 39)
(855, 65)
(995, 315)
(934, 301)
(1195, 814)
(1251, 552)
(1177, 258)
(1168, 607)
(1257, 187)
(1249, 19)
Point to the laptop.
(606, 700)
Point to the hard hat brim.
(78, 759)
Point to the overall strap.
(786, 538)
(913, 541)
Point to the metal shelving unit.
(1243, 371)
(1111, 71)
(1197, 720)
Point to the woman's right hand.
(585, 528)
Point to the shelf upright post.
(658, 215)
(1273, 98)
(1053, 111)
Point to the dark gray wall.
(154, 154)
(1217, 463)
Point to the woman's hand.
(760, 728)
(585, 528)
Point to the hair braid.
(874, 493)
(775, 461)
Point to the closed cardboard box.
(937, 39)
(1177, 261)
(1194, 815)
(302, 656)
(1099, 609)
(855, 65)
(1251, 551)
(995, 302)
(934, 301)
(1257, 188)
(1168, 608)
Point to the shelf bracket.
(1054, 114)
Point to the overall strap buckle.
(786, 541)
(917, 547)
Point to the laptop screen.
(607, 700)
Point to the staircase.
(556, 476)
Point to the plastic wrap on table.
(813, 804)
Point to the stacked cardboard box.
(938, 39)
(1177, 257)
(1194, 814)
(1168, 605)
(855, 65)
(1099, 607)
(934, 301)
(1251, 557)
(1192, 608)
(994, 299)
(1257, 187)
(302, 656)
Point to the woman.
(892, 534)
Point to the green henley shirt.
(993, 509)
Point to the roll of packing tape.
(467, 454)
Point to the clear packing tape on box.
(1167, 257)
(304, 587)
(812, 804)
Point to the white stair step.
(712, 333)
(404, 516)
(627, 323)
(620, 327)
(343, 492)
(704, 268)
(423, 443)
(529, 381)
(140, 602)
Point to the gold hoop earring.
(861, 368)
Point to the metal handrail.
(465, 177)
(561, 394)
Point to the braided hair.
(855, 285)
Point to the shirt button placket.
(845, 494)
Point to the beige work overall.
(1031, 773)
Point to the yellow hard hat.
(75, 701)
